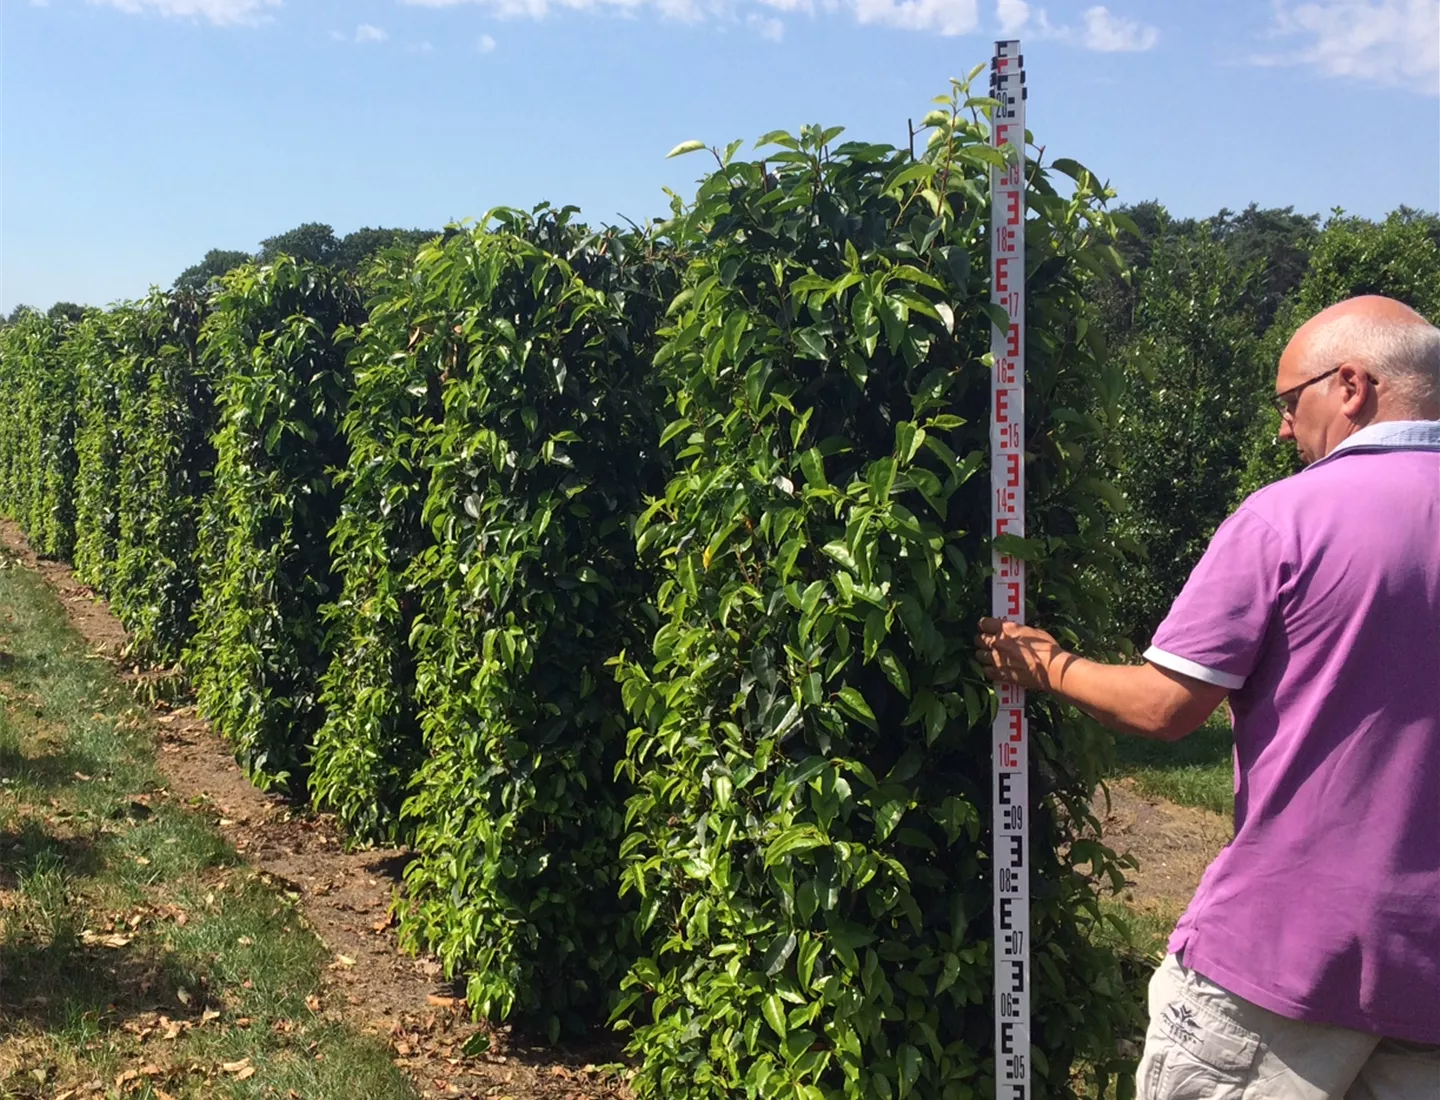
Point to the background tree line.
(310, 242)
(1198, 325)
(1198, 328)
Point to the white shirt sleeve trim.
(1195, 671)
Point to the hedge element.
(96, 347)
(276, 342)
(37, 432)
(537, 341)
(812, 759)
(368, 748)
(166, 419)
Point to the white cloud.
(485, 44)
(690, 11)
(946, 17)
(1389, 42)
(1100, 30)
(766, 26)
(420, 47)
(365, 34)
(220, 12)
(1013, 15)
(942, 16)
(1111, 34)
(506, 9)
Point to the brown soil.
(1173, 844)
(346, 897)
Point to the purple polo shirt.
(1318, 604)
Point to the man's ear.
(1358, 388)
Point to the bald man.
(1307, 966)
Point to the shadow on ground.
(57, 985)
(56, 974)
(26, 846)
(47, 771)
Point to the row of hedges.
(630, 577)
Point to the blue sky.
(138, 134)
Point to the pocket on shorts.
(1198, 1053)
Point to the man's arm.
(1144, 700)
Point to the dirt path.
(1174, 844)
(346, 895)
(346, 899)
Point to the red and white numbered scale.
(1007, 591)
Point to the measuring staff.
(1010, 857)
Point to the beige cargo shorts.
(1206, 1044)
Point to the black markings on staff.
(1004, 796)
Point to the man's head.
(1359, 362)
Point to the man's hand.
(1013, 654)
(1145, 700)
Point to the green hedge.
(106, 451)
(813, 760)
(276, 341)
(37, 432)
(366, 752)
(529, 340)
(166, 423)
(97, 350)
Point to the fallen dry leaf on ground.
(90, 938)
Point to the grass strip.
(1195, 771)
(139, 956)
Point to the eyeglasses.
(1285, 403)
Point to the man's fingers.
(990, 625)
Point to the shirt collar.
(1391, 435)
